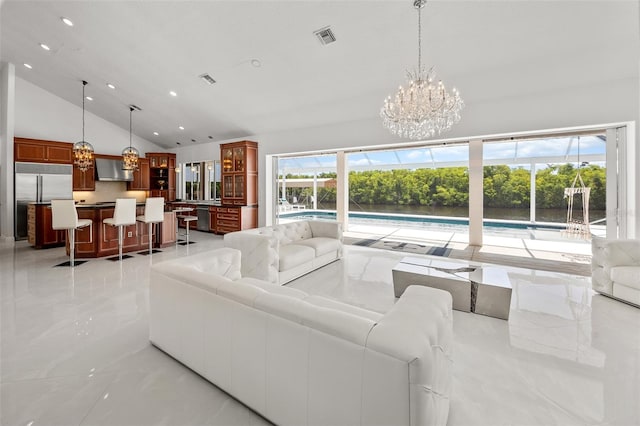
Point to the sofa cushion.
(323, 302)
(292, 255)
(288, 233)
(321, 245)
(626, 275)
(222, 261)
(274, 288)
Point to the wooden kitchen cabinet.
(162, 175)
(84, 181)
(40, 234)
(41, 151)
(239, 173)
(230, 219)
(141, 177)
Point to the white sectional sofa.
(299, 359)
(281, 253)
(615, 269)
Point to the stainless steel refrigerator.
(37, 182)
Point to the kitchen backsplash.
(108, 191)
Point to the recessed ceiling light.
(256, 63)
(67, 21)
(89, 98)
(156, 133)
(180, 127)
(111, 86)
(44, 46)
(172, 93)
(28, 66)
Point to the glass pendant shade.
(130, 155)
(423, 108)
(83, 150)
(83, 155)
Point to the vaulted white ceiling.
(488, 49)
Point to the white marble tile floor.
(75, 350)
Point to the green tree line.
(504, 187)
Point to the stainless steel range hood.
(111, 171)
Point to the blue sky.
(510, 150)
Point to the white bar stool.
(187, 220)
(65, 216)
(178, 216)
(123, 215)
(153, 213)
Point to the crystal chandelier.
(82, 150)
(130, 155)
(424, 108)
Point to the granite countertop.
(106, 204)
(199, 203)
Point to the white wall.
(42, 115)
(32, 112)
(602, 103)
(7, 96)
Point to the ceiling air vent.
(207, 78)
(325, 35)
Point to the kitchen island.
(104, 239)
(99, 240)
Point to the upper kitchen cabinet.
(84, 181)
(40, 151)
(162, 175)
(239, 173)
(141, 177)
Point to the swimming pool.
(420, 220)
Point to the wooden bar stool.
(123, 215)
(65, 216)
(153, 213)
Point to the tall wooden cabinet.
(239, 173)
(162, 175)
(239, 196)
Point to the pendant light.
(82, 150)
(130, 155)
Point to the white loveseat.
(615, 268)
(304, 360)
(281, 253)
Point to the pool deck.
(542, 250)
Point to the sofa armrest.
(622, 253)
(327, 229)
(418, 330)
(260, 254)
(224, 262)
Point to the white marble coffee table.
(484, 290)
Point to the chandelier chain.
(84, 83)
(419, 7)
